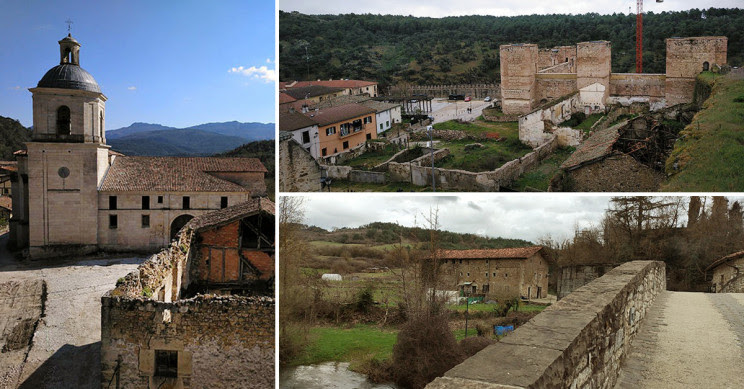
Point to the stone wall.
(500, 277)
(552, 86)
(685, 59)
(298, 170)
(573, 277)
(222, 342)
(453, 179)
(578, 342)
(593, 64)
(477, 91)
(557, 55)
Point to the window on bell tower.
(63, 120)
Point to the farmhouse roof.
(177, 174)
(725, 259)
(232, 213)
(285, 98)
(508, 253)
(300, 93)
(594, 148)
(378, 106)
(293, 120)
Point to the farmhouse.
(728, 273)
(72, 194)
(511, 272)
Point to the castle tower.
(518, 69)
(593, 68)
(66, 158)
(688, 57)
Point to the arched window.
(100, 127)
(63, 120)
(706, 66)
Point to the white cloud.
(17, 87)
(259, 73)
(268, 60)
(132, 88)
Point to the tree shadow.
(69, 367)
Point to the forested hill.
(379, 233)
(390, 49)
(12, 137)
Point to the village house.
(199, 314)
(72, 194)
(728, 273)
(386, 114)
(311, 94)
(510, 272)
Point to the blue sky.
(176, 63)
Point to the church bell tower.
(67, 158)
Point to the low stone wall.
(474, 90)
(578, 342)
(453, 179)
(532, 126)
(222, 342)
(367, 177)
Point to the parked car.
(487, 99)
(467, 98)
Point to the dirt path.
(689, 340)
(65, 349)
(443, 110)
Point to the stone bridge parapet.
(578, 342)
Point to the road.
(688, 340)
(443, 109)
(65, 348)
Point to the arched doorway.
(177, 224)
(706, 66)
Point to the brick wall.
(578, 342)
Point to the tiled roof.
(335, 83)
(725, 259)
(310, 91)
(176, 174)
(285, 98)
(596, 147)
(338, 114)
(21, 152)
(293, 120)
(510, 253)
(232, 213)
(378, 106)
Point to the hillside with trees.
(12, 137)
(393, 49)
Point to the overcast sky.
(441, 8)
(520, 216)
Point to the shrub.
(470, 346)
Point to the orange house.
(235, 245)
(343, 127)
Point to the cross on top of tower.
(69, 25)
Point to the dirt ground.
(61, 321)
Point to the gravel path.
(689, 340)
(65, 352)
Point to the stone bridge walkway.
(688, 340)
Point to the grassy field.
(348, 186)
(370, 159)
(710, 152)
(509, 130)
(490, 157)
(523, 307)
(589, 122)
(539, 177)
(354, 345)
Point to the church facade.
(72, 194)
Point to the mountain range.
(203, 139)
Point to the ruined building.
(531, 77)
(72, 194)
(199, 314)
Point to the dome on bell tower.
(68, 74)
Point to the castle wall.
(518, 69)
(551, 86)
(558, 55)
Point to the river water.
(328, 375)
